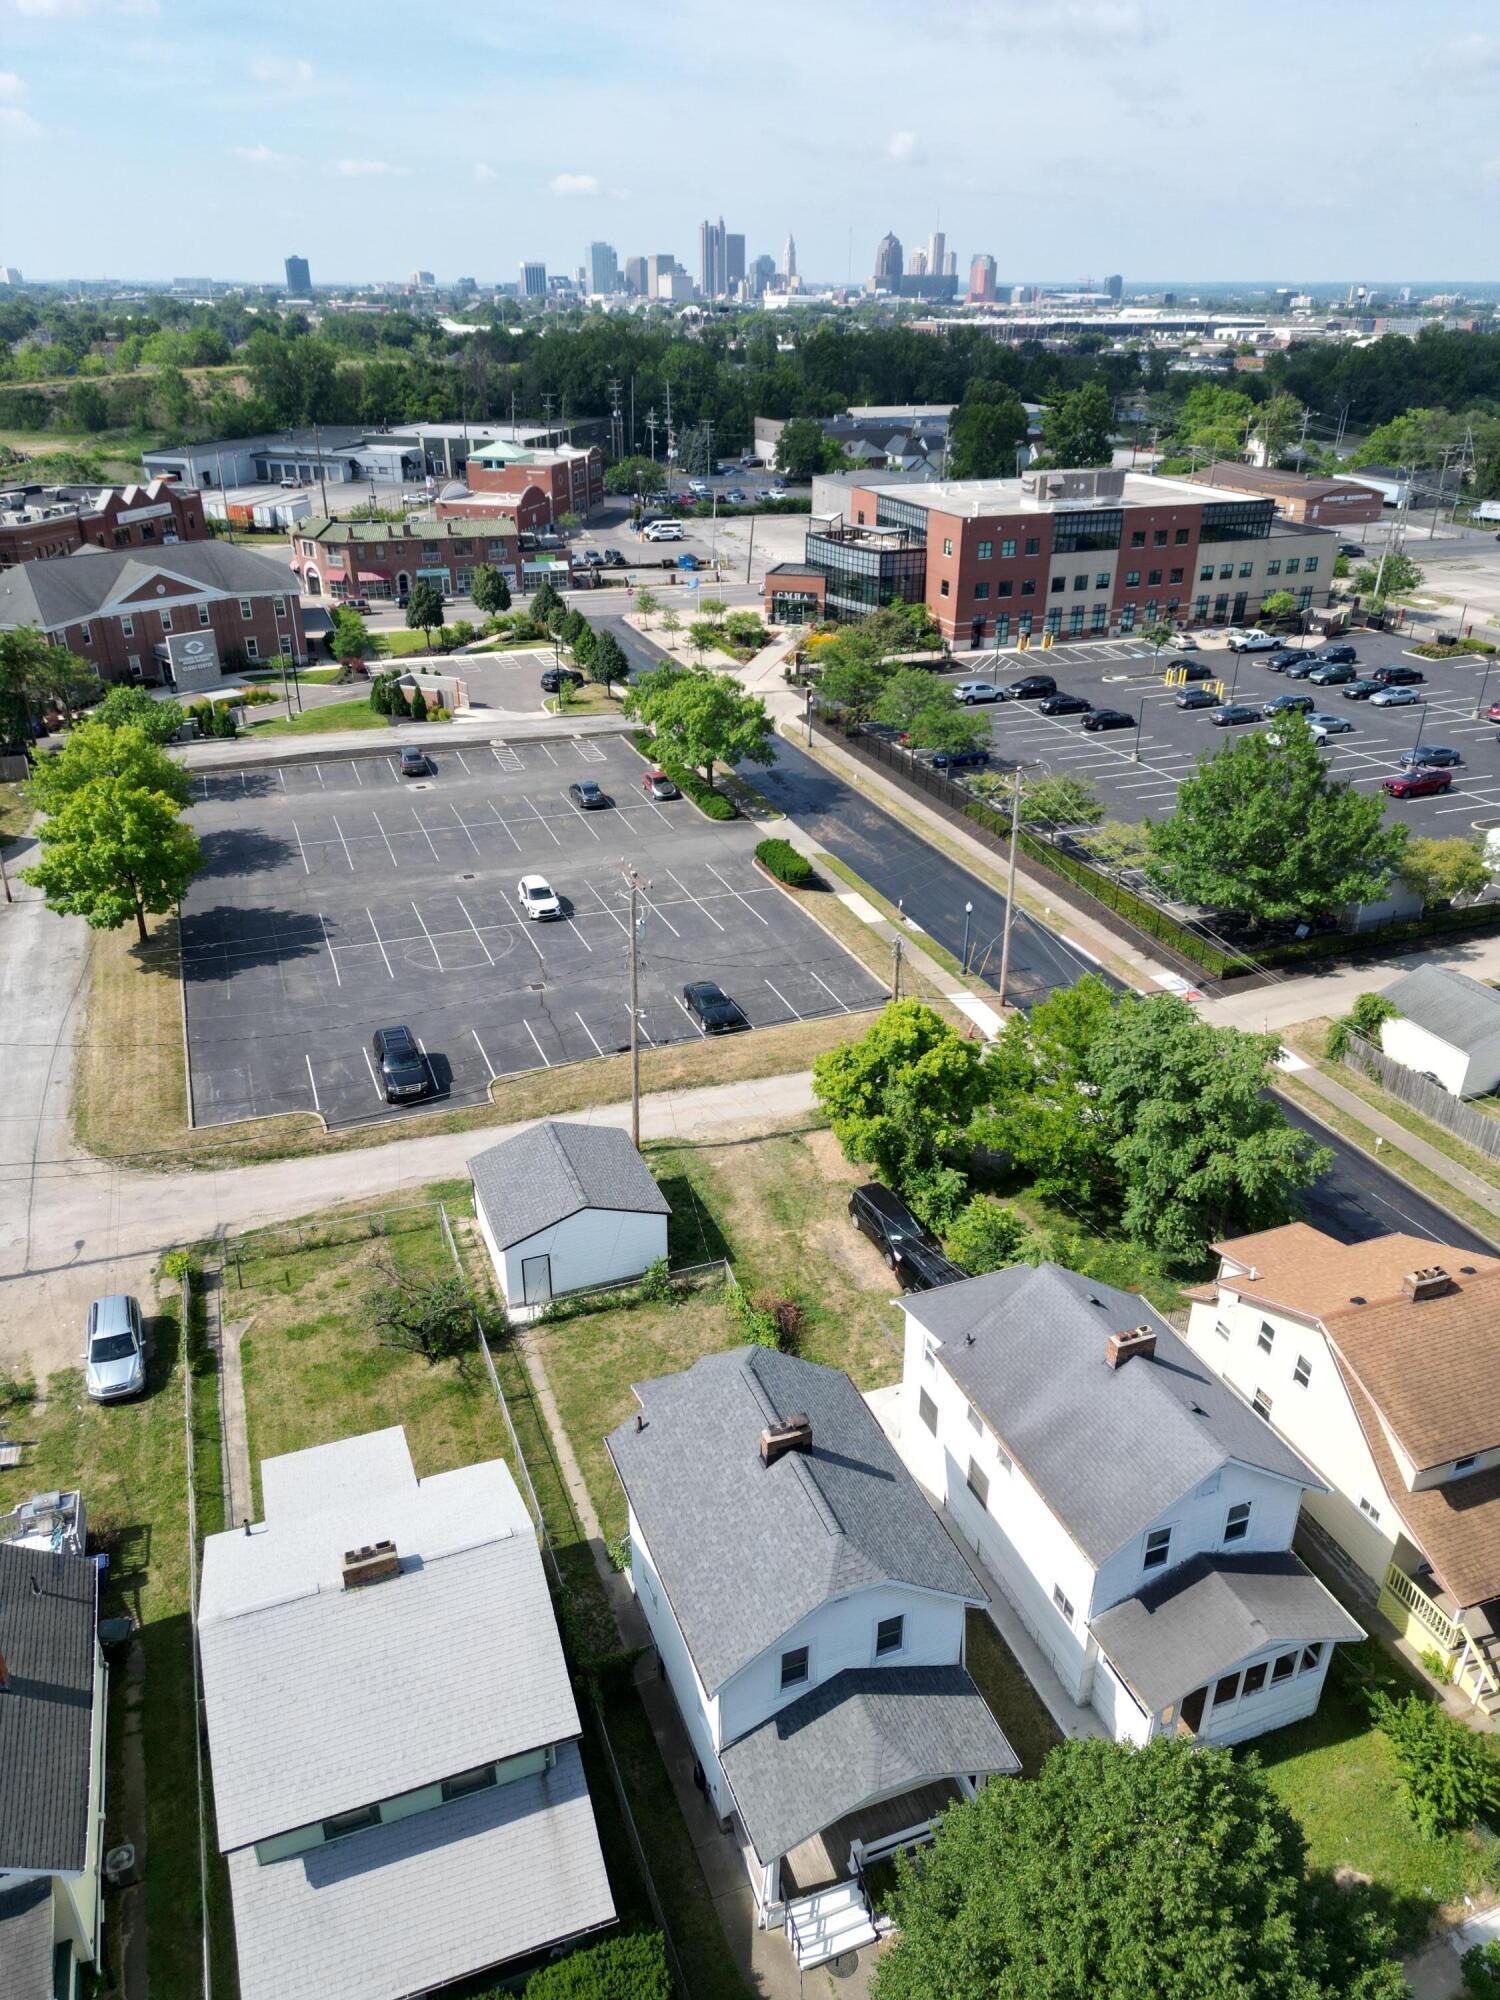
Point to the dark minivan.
(910, 1250)
(401, 1064)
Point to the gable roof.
(1461, 1011)
(746, 1550)
(553, 1170)
(78, 586)
(1299, 1269)
(26, 1940)
(334, 533)
(371, 1692)
(1109, 1449)
(49, 1608)
(1429, 1365)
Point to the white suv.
(663, 531)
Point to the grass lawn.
(1022, 1713)
(386, 645)
(585, 701)
(15, 812)
(356, 714)
(130, 1463)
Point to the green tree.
(421, 1312)
(351, 635)
(569, 521)
(1445, 870)
(987, 430)
(1215, 419)
(95, 750)
(416, 705)
(670, 623)
(490, 591)
(637, 474)
(648, 604)
(802, 449)
(903, 1094)
(1120, 843)
(903, 695)
(1451, 1774)
(573, 625)
(1277, 605)
(87, 408)
(585, 645)
(33, 672)
(985, 1236)
(1397, 576)
(1364, 1019)
(1263, 829)
(1040, 1096)
(631, 1967)
(1168, 1873)
(112, 850)
(941, 724)
(1046, 801)
(607, 662)
(703, 636)
(745, 629)
(123, 706)
(385, 692)
(424, 608)
(1078, 431)
(703, 719)
(1277, 422)
(1156, 636)
(853, 682)
(1200, 1146)
(545, 601)
(713, 607)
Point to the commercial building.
(298, 278)
(734, 263)
(533, 281)
(982, 290)
(1074, 553)
(721, 260)
(603, 269)
(636, 276)
(383, 559)
(38, 523)
(1299, 496)
(570, 476)
(889, 263)
(336, 454)
(180, 616)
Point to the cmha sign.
(193, 658)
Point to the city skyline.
(341, 157)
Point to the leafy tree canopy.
(160, 720)
(1444, 870)
(424, 606)
(96, 750)
(703, 719)
(903, 1093)
(987, 430)
(111, 851)
(1078, 430)
(490, 591)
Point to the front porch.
(1467, 1641)
(868, 1834)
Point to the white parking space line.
(282, 775)
(312, 1080)
(343, 843)
(525, 922)
(332, 956)
(657, 810)
(702, 1031)
(551, 758)
(608, 909)
(657, 913)
(589, 752)
(425, 835)
(480, 1046)
(582, 815)
(543, 818)
(375, 1080)
(588, 1031)
(428, 935)
(383, 953)
(475, 929)
(693, 899)
(301, 850)
(736, 894)
(830, 992)
(386, 838)
(354, 765)
(499, 821)
(536, 1044)
(468, 773)
(641, 1024)
(467, 835)
(578, 934)
(505, 757)
(784, 1001)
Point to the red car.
(1418, 784)
(1493, 711)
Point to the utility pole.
(896, 968)
(1437, 505)
(1010, 883)
(1302, 440)
(616, 419)
(635, 1011)
(651, 430)
(751, 550)
(1338, 436)
(322, 485)
(547, 417)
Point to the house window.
(1284, 1668)
(986, 550)
(252, 649)
(247, 609)
(981, 591)
(1181, 537)
(1247, 569)
(1138, 539)
(794, 1667)
(943, 590)
(1302, 1373)
(1007, 548)
(1153, 576)
(1002, 624)
(1465, 1464)
(1006, 587)
(1221, 1329)
(947, 545)
(351, 1822)
(1237, 1522)
(1023, 623)
(1158, 538)
(1221, 604)
(1200, 607)
(1310, 563)
(1312, 1657)
(1175, 577)
(84, 638)
(1226, 1690)
(127, 628)
(1292, 565)
(1372, 1512)
(1273, 568)
(1255, 1678)
(1101, 581)
(1075, 621)
(977, 1484)
(1265, 1340)
(203, 617)
(976, 1423)
(1033, 545)
(1260, 1402)
(1028, 586)
(166, 622)
(890, 1635)
(1132, 578)
(1099, 618)
(480, 1779)
(1059, 585)
(929, 1351)
(1158, 1548)
(279, 605)
(927, 1411)
(1080, 583)
(148, 531)
(1225, 570)
(1053, 622)
(1061, 1599)
(1206, 574)
(1127, 618)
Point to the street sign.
(193, 658)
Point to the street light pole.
(635, 1015)
(1140, 716)
(1010, 883)
(968, 913)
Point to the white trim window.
(795, 1667)
(890, 1635)
(252, 648)
(166, 620)
(1158, 1550)
(1063, 1602)
(247, 609)
(1237, 1522)
(278, 604)
(127, 626)
(85, 637)
(203, 617)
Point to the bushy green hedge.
(781, 859)
(715, 805)
(620, 1968)
(1434, 652)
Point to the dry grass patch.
(15, 812)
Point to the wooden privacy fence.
(1475, 1128)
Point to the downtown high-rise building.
(888, 263)
(734, 264)
(789, 257)
(982, 279)
(936, 246)
(950, 264)
(1115, 286)
(603, 269)
(760, 274)
(636, 275)
(533, 281)
(712, 258)
(916, 263)
(298, 278)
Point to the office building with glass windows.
(1079, 554)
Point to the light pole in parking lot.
(1484, 683)
(634, 881)
(1140, 716)
(968, 913)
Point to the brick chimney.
(371, 1564)
(776, 1440)
(1123, 1347)
(1429, 1283)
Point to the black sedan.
(553, 679)
(712, 1008)
(587, 796)
(911, 1251)
(1195, 698)
(1287, 704)
(1231, 713)
(1064, 704)
(1303, 668)
(1361, 690)
(1029, 686)
(1108, 718)
(1283, 658)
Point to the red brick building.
(527, 510)
(128, 612)
(383, 559)
(1299, 496)
(38, 523)
(571, 476)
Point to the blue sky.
(1070, 138)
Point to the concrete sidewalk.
(474, 726)
(1389, 1131)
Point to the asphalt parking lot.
(337, 898)
(1118, 674)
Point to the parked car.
(690, 561)
(1398, 676)
(537, 898)
(1195, 698)
(959, 760)
(1352, 550)
(1419, 784)
(1108, 718)
(1360, 690)
(594, 558)
(414, 762)
(1197, 670)
(1322, 724)
(1303, 669)
(663, 531)
(1283, 658)
(353, 604)
(1337, 654)
(400, 1064)
(1395, 697)
(1333, 676)
(1436, 755)
(586, 795)
(1233, 713)
(1064, 704)
(735, 497)
(1181, 642)
(969, 692)
(553, 678)
(1287, 704)
(712, 1008)
(1492, 713)
(1030, 686)
(1255, 641)
(910, 1250)
(657, 785)
(114, 1359)
(614, 559)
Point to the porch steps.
(828, 1923)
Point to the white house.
(52, 1722)
(1137, 1513)
(562, 1207)
(808, 1612)
(1377, 1362)
(1447, 1026)
(397, 1782)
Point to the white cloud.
(12, 89)
(259, 156)
(484, 172)
(292, 76)
(575, 184)
(18, 124)
(355, 169)
(903, 147)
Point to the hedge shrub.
(620, 1968)
(1451, 1774)
(781, 859)
(714, 805)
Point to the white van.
(663, 531)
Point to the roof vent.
(1429, 1283)
(794, 1434)
(371, 1564)
(1123, 1347)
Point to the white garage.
(1447, 1026)
(563, 1207)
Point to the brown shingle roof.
(1430, 1367)
(1301, 1270)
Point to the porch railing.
(1419, 1618)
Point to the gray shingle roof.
(552, 1170)
(745, 1550)
(78, 586)
(26, 1940)
(867, 1732)
(48, 1619)
(426, 1900)
(1108, 1448)
(1214, 1611)
(1460, 1011)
